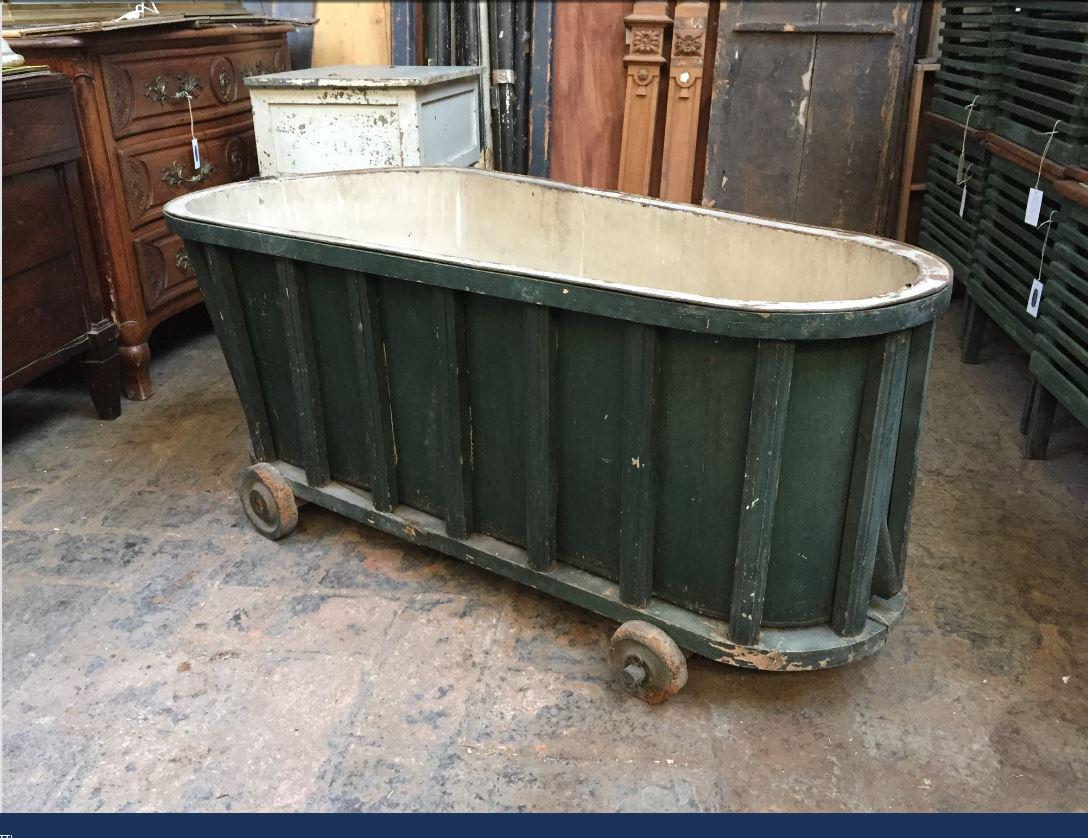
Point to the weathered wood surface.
(806, 110)
(588, 93)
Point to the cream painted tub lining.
(579, 236)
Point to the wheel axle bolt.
(632, 676)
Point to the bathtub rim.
(601, 301)
(934, 274)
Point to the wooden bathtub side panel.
(339, 372)
(497, 379)
(703, 403)
(259, 293)
(818, 449)
(588, 434)
(409, 335)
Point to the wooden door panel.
(805, 110)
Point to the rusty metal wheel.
(267, 500)
(647, 661)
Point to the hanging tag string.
(1049, 136)
(192, 133)
(1046, 237)
(963, 144)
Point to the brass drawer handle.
(172, 175)
(182, 261)
(189, 87)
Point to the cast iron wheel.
(268, 501)
(647, 661)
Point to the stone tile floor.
(159, 655)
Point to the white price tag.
(196, 154)
(1035, 297)
(1035, 206)
(963, 199)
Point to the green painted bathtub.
(704, 422)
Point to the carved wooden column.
(644, 60)
(685, 86)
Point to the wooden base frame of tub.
(776, 649)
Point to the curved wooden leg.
(102, 374)
(136, 371)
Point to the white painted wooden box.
(330, 119)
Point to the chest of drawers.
(53, 309)
(134, 89)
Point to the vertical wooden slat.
(644, 60)
(870, 480)
(221, 293)
(540, 89)
(906, 456)
(405, 33)
(637, 506)
(763, 464)
(374, 383)
(303, 372)
(540, 443)
(454, 412)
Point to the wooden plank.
(374, 384)
(805, 119)
(225, 307)
(638, 485)
(870, 480)
(588, 93)
(541, 465)
(766, 434)
(404, 26)
(352, 33)
(684, 101)
(454, 412)
(644, 61)
(303, 363)
(540, 89)
(756, 74)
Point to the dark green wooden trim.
(618, 305)
(887, 572)
(303, 360)
(540, 443)
(216, 275)
(974, 328)
(454, 412)
(870, 480)
(907, 451)
(1040, 423)
(374, 384)
(763, 464)
(637, 485)
(788, 649)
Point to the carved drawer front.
(165, 269)
(152, 90)
(153, 175)
(230, 71)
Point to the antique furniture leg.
(101, 365)
(974, 325)
(136, 371)
(1040, 422)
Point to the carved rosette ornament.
(237, 158)
(684, 101)
(119, 94)
(224, 81)
(646, 24)
(137, 186)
